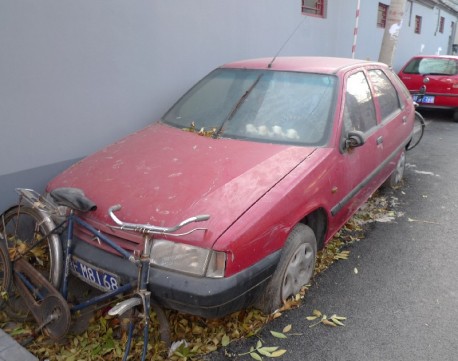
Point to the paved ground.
(403, 302)
(10, 350)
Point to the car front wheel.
(395, 178)
(294, 270)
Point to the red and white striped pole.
(355, 31)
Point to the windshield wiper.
(238, 105)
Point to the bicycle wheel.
(23, 227)
(5, 273)
(418, 130)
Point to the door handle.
(404, 119)
(379, 140)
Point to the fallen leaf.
(286, 329)
(328, 323)
(256, 356)
(225, 340)
(278, 334)
(278, 353)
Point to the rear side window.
(385, 93)
(432, 66)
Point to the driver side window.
(359, 109)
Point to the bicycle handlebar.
(147, 228)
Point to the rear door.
(395, 118)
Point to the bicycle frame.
(143, 264)
(42, 298)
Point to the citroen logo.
(96, 239)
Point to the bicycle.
(418, 131)
(419, 121)
(35, 270)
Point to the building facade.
(76, 76)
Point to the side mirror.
(354, 139)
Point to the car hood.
(162, 175)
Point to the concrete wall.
(77, 75)
(430, 40)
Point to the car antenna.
(286, 42)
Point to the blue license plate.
(425, 99)
(94, 276)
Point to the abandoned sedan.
(279, 152)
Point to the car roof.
(309, 64)
(436, 57)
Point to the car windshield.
(431, 66)
(260, 105)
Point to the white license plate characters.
(94, 276)
(425, 99)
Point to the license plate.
(94, 276)
(425, 99)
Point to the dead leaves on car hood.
(195, 336)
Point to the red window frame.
(441, 24)
(314, 7)
(417, 24)
(381, 15)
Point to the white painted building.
(77, 75)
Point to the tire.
(294, 270)
(394, 180)
(455, 115)
(21, 226)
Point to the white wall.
(76, 75)
(430, 40)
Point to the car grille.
(130, 242)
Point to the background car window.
(433, 66)
(385, 93)
(359, 110)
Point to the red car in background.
(279, 152)
(433, 81)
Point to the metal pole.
(355, 31)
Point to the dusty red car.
(279, 152)
(433, 81)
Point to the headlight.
(188, 259)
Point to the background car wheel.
(455, 116)
(395, 178)
(295, 269)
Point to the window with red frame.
(314, 7)
(441, 24)
(417, 24)
(381, 15)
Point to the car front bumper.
(201, 296)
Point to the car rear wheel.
(395, 178)
(294, 270)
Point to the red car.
(433, 81)
(279, 152)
